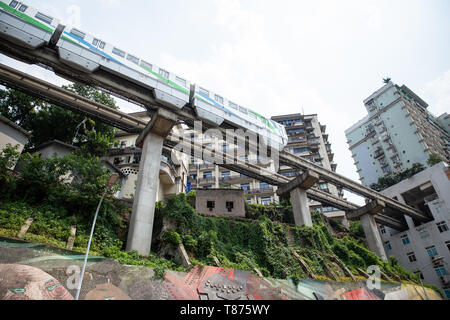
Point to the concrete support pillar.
(151, 142)
(297, 190)
(373, 236)
(300, 208)
(216, 177)
(368, 215)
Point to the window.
(102, 45)
(442, 226)
(225, 174)
(181, 81)
(412, 257)
(266, 200)
(300, 150)
(118, 52)
(210, 205)
(448, 245)
(78, 33)
(146, 65)
(163, 73)
(249, 201)
(219, 99)
(323, 186)
(233, 105)
(204, 91)
(386, 169)
(229, 205)
(447, 292)
(243, 110)
(388, 245)
(23, 8)
(123, 144)
(95, 42)
(432, 251)
(405, 240)
(45, 18)
(207, 175)
(245, 186)
(264, 186)
(13, 4)
(132, 59)
(383, 230)
(440, 271)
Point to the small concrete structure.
(297, 189)
(11, 133)
(151, 142)
(221, 202)
(50, 148)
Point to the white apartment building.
(425, 247)
(397, 132)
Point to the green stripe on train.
(26, 18)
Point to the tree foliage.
(386, 182)
(48, 122)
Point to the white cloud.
(437, 94)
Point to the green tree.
(434, 159)
(49, 122)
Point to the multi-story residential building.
(309, 140)
(397, 132)
(126, 157)
(205, 175)
(424, 248)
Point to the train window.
(43, 17)
(102, 45)
(13, 4)
(23, 8)
(181, 81)
(252, 115)
(233, 105)
(118, 52)
(204, 91)
(146, 65)
(95, 42)
(132, 59)
(243, 110)
(164, 73)
(78, 33)
(219, 99)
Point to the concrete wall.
(425, 235)
(13, 136)
(220, 198)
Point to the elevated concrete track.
(67, 99)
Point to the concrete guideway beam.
(151, 141)
(372, 207)
(130, 90)
(304, 181)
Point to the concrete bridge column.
(373, 236)
(366, 215)
(300, 208)
(297, 190)
(151, 142)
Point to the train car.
(87, 53)
(24, 25)
(216, 110)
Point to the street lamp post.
(111, 181)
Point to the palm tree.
(387, 80)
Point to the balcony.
(378, 153)
(264, 191)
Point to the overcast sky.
(280, 57)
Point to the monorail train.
(32, 29)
